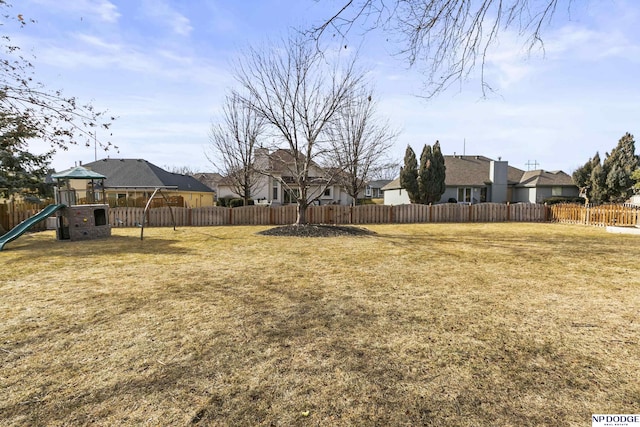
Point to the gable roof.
(142, 174)
(378, 183)
(473, 171)
(282, 160)
(393, 185)
(542, 178)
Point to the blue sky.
(164, 66)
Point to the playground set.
(74, 221)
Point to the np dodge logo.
(617, 420)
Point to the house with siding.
(479, 179)
(130, 182)
(278, 186)
(373, 189)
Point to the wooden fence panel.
(406, 214)
(489, 212)
(601, 216)
(125, 217)
(527, 212)
(211, 215)
(371, 214)
(13, 213)
(450, 212)
(342, 214)
(282, 215)
(250, 215)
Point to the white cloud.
(591, 45)
(104, 10)
(164, 14)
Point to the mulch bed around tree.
(316, 230)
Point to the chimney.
(498, 177)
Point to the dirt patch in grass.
(431, 324)
(316, 230)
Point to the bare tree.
(49, 115)
(298, 92)
(387, 170)
(446, 37)
(359, 140)
(232, 145)
(180, 170)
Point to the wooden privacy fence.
(13, 213)
(330, 214)
(601, 216)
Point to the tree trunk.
(302, 212)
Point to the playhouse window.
(100, 216)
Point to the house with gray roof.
(479, 179)
(137, 179)
(278, 186)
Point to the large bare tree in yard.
(298, 92)
(359, 140)
(446, 39)
(233, 141)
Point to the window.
(100, 217)
(556, 191)
(367, 191)
(275, 190)
(327, 192)
(291, 195)
(483, 195)
(464, 195)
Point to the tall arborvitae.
(425, 172)
(597, 188)
(409, 175)
(424, 184)
(439, 173)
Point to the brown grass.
(435, 324)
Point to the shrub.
(224, 201)
(563, 199)
(235, 202)
(366, 201)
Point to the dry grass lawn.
(430, 324)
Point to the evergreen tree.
(618, 168)
(582, 175)
(424, 184)
(598, 189)
(425, 178)
(409, 175)
(635, 176)
(439, 172)
(20, 171)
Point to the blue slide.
(19, 229)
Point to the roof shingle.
(140, 173)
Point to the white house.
(278, 187)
